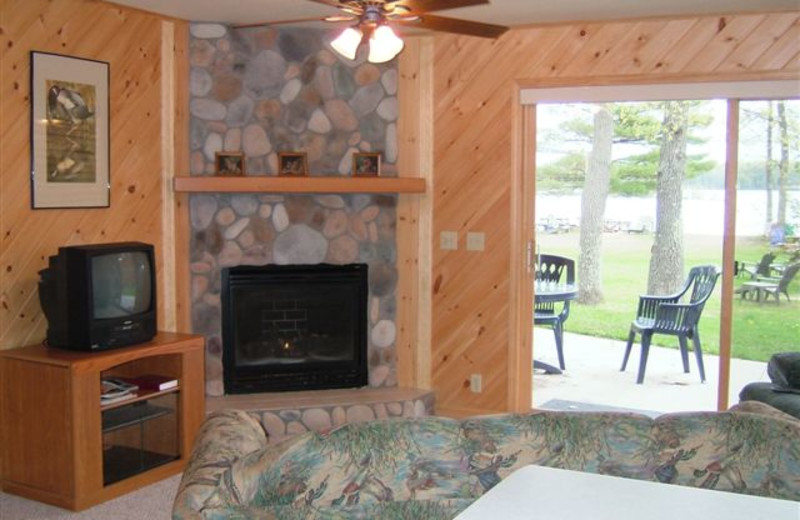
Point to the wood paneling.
(181, 226)
(476, 169)
(415, 214)
(130, 41)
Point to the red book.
(153, 382)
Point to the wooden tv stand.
(54, 433)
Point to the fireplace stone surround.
(248, 229)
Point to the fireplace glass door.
(297, 327)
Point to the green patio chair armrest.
(648, 304)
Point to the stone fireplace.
(261, 91)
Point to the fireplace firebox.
(294, 327)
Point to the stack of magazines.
(114, 390)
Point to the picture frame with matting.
(229, 163)
(70, 132)
(292, 164)
(366, 164)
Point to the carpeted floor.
(576, 406)
(153, 502)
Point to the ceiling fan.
(373, 18)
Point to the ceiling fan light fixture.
(347, 42)
(384, 45)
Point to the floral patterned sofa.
(433, 467)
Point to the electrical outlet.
(476, 383)
(475, 241)
(448, 240)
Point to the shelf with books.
(139, 395)
(151, 382)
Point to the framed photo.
(292, 164)
(69, 132)
(366, 164)
(229, 163)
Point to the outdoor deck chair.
(551, 268)
(666, 315)
(763, 268)
(779, 285)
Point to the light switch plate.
(448, 240)
(476, 241)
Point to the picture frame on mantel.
(292, 164)
(229, 164)
(70, 142)
(366, 164)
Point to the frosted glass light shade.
(347, 43)
(384, 45)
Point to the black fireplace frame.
(326, 375)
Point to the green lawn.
(759, 330)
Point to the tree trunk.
(593, 207)
(783, 167)
(768, 166)
(666, 258)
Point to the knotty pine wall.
(131, 41)
(475, 81)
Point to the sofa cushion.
(597, 442)
(356, 464)
(728, 451)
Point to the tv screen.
(121, 284)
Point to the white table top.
(541, 493)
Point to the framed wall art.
(70, 147)
(292, 164)
(366, 164)
(229, 163)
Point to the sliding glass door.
(631, 184)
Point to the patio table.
(756, 287)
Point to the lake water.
(703, 210)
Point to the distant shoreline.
(703, 210)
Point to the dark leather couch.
(783, 392)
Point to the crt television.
(99, 296)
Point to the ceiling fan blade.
(341, 18)
(441, 23)
(279, 22)
(354, 7)
(426, 6)
(332, 3)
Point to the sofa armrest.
(224, 437)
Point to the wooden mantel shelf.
(261, 184)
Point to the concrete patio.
(593, 379)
